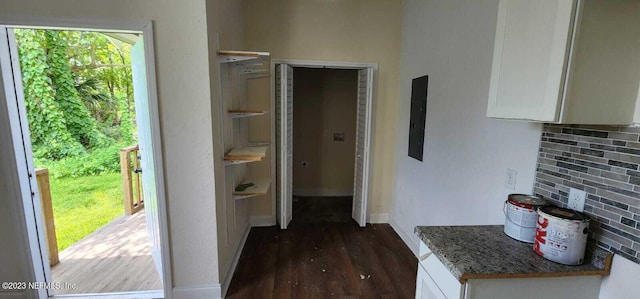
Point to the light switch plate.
(576, 199)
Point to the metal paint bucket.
(521, 216)
(561, 235)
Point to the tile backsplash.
(603, 161)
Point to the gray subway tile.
(615, 176)
(592, 152)
(623, 136)
(602, 147)
(618, 184)
(623, 164)
(631, 201)
(628, 222)
(614, 203)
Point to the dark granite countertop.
(477, 252)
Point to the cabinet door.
(426, 288)
(530, 58)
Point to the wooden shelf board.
(256, 76)
(259, 143)
(250, 63)
(229, 163)
(253, 71)
(247, 154)
(238, 56)
(245, 113)
(260, 187)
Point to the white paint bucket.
(561, 235)
(521, 216)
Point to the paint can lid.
(563, 213)
(527, 200)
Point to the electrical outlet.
(576, 199)
(510, 179)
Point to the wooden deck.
(115, 258)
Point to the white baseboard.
(379, 218)
(229, 275)
(410, 239)
(198, 292)
(260, 221)
(111, 295)
(323, 192)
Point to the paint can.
(561, 235)
(521, 216)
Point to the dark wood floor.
(322, 259)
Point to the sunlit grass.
(84, 204)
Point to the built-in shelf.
(249, 63)
(237, 57)
(245, 155)
(259, 143)
(253, 71)
(245, 113)
(260, 187)
(256, 76)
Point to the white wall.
(461, 180)
(182, 64)
(225, 22)
(623, 280)
(466, 154)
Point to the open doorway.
(124, 254)
(324, 133)
(329, 133)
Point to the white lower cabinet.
(426, 288)
(435, 281)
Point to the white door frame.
(40, 257)
(322, 65)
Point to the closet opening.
(324, 130)
(323, 135)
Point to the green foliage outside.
(79, 100)
(100, 160)
(48, 127)
(81, 205)
(80, 124)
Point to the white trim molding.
(327, 65)
(236, 258)
(213, 291)
(379, 218)
(410, 239)
(323, 192)
(116, 295)
(261, 221)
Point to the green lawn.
(84, 204)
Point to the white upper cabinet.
(566, 61)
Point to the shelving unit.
(237, 67)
